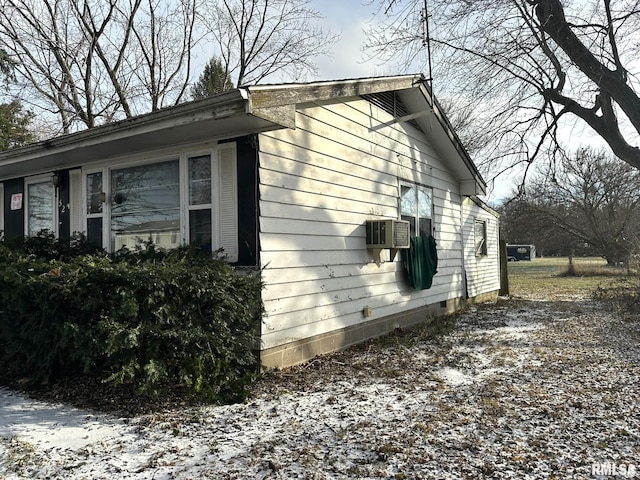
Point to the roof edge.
(440, 114)
(231, 97)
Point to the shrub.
(623, 295)
(46, 246)
(152, 320)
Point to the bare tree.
(6, 66)
(592, 198)
(90, 62)
(528, 67)
(257, 38)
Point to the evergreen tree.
(214, 79)
(14, 125)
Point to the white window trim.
(214, 205)
(85, 198)
(32, 181)
(107, 167)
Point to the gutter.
(131, 126)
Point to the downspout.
(463, 242)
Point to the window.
(40, 208)
(200, 202)
(416, 206)
(187, 199)
(95, 207)
(480, 234)
(145, 205)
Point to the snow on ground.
(518, 390)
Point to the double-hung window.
(95, 207)
(200, 202)
(416, 206)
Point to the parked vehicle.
(521, 252)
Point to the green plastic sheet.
(421, 262)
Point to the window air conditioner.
(392, 234)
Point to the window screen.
(40, 200)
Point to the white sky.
(349, 18)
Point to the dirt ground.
(520, 389)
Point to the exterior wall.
(319, 183)
(237, 205)
(482, 271)
(13, 220)
(305, 349)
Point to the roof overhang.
(221, 116)
(240, 112)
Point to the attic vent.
(391, 103)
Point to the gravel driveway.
(519, 390)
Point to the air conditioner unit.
(392, 234)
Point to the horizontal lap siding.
(318, 185)
(483, 273)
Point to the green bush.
(152, 320)
(46, 246)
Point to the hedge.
(148, 319)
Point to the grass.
(550, 277)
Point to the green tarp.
(421, 262)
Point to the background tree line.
(587, 205)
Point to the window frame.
(183, 157)
(480, 245)
(106, 187)
(35, 180)
(418, 188)
(214, 203)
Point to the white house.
(284, 178)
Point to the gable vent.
(391, 103)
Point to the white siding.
(482, 272)
(319, 183)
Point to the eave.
(221, 116)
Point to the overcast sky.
(349, 18)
